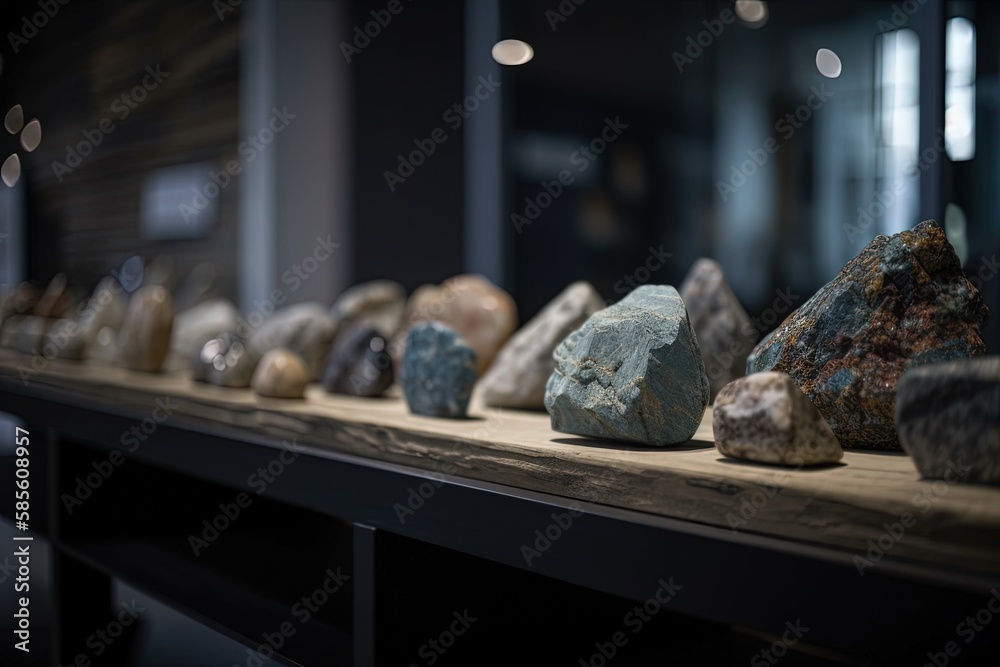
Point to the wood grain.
(957, 526)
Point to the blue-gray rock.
(306, 329)
(948, 419)
(439, 371)
(359, 363)
(632, 372)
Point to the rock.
(305, 328)
(224, 361)
(105, 308)
(517, 377)
(378, 303)
(948, 419)
(724, 330)
(64, 339)
(479, 311)
(903, 301)
(439, 371)
(145, 335)
(632, 372)
(18, 300)
(29, 333)
(281, 373)
(55, 301)
(8, 332)
(359, 364)
(197, 287)
(765, 417)
(104, 349)
(195, 327)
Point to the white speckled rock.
(306, 329)
(766, 418)
(280, 374)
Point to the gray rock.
(725, 333)
(359, 363)
(948, 419)
(633, 372)
(305, 328)
(104, 349)
(281, 373)
(145, 335)
(224, 361)
(378, 303)
(197, 287)
(29, 333)
(105, 308)
(439, 371)
(64, 339)
(195, 327)
(766, 418)
(517, 377)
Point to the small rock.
(55, 301)
(439, 371)
(197, 288)
(632, 372)
(18, 300)
(29, 333)
(765, 417)
(725, 332)
(378, 303)
(64, 339)
(479, 311)
(104, 349)
(359, 364)
(517, 377)
(281, 373)
(305, 328)
(195, 327)
(948, 418)
(145, 335)
(903, 301)
(224, 361)
(105, 308)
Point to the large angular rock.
(439, 371)
(224, 361)
(195, 327)
(632, 372)
(517, 377)
(902, 302)
(948, 419)
(479, 311)
(359, 364)
(145, 335)
(305, 328)
(766, 418)
(379, 304)
(281, 373)
(725, 333)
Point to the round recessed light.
(512, 52)
(828, 63)
(753, 13)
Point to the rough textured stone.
(305, 328)
(145, 335)
(224, 361)
(632, 372)
(725, 333)
(765, 417)
(903, 301)
(195, 327)
(55, 301)
(439, 371)
(517, 377)
(479, 311)
(281, 373)
(105, 308)
(379, 304)
(359, 364)
(948, 418)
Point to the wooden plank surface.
(954, 526)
